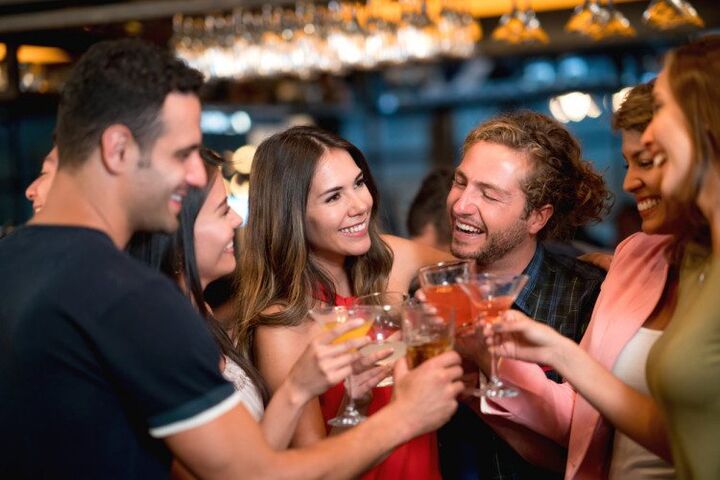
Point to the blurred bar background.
(403, 80)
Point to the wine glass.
(389, 307)
(667, 14)
(511, 26)
(329, 317)
(440, 285)
(491, 295)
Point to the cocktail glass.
(491, 295)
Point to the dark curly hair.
(559, 176)
(120, 81)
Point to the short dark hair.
(636, 110)
(430, 205)
(558, 177)
(119, 81)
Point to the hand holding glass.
(328, 317)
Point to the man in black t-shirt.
(105, 369)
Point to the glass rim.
(405, 296)
(497, 276)
(443, 264)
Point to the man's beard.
(497, 245)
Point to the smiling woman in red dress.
(312, 235)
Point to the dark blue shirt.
(99, 356)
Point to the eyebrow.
(337, 189)
(187, 150)
(484, 185)
(489, 186)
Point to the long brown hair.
(693, 70)
(276, 267)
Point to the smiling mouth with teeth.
(465, 228)
(647, 204)
(355, 228)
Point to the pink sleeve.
(543, 405)
(547, 407)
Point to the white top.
(630, 461)
(249, 395)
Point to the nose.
(235, 219)
(461, 202)
(631, 182)
(358, 205)
(31, 191)
(195, 174)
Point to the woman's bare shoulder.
(409, 256)
(283, 333)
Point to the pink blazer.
(628, 296)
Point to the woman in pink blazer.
(635, 304)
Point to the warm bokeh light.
(33, 54)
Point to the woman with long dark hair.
(312, 236)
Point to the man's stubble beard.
(497, 245)
(153, 215)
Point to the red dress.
(416, 459)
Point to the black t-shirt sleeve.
(163, 359)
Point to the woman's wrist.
(561, 356)
(296, 395)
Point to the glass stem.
(350, 407)
(494, 380)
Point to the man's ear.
(538, 218)
(116, 147)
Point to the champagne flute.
(491, 295)
(386, 329)
(329, 317)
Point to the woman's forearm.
(282, 415)
(633, 413)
